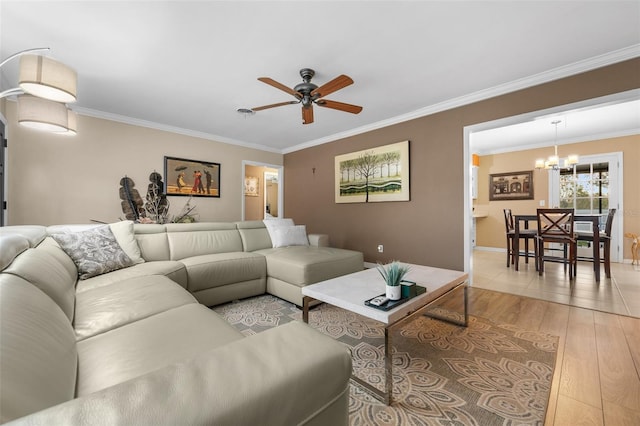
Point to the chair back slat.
(555, 224)
(609, 224)
(508, 220)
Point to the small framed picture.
(511, 186)
(191, 177)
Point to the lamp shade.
(42, 114)
(72, 122)
(47, 78)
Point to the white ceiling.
(188, 66)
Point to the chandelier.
(554, 162)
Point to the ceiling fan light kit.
(308, 93)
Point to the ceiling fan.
(308, 94)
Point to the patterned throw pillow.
(95, 251)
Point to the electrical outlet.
(380, 248)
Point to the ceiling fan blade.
(260, 108)
(307, 114)
(353, 109)
(272, 82)
(337, 83)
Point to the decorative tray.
(394, 303)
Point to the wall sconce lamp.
(44, 86)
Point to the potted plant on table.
(393, 273)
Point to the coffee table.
(350, 292)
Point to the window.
(585, 188)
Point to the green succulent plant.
(393, 272)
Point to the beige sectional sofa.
(137, 345)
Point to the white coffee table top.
(350, 291)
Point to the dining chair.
(525, 234)
(605, 239)
(555, 226)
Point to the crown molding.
(600, 61)
(172, 129)
(590, 64)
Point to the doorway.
(262, 190)
(514, 123)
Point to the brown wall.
(429, 228)
(490, 230)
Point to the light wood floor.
(596, 379)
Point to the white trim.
(600, 61)
(523, 83)
(172, 129)
(558, 110)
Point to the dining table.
(525, 219)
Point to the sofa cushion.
(33, 233)
(152, 241)
(214, 270)
(254, 235)
(150, 344)
(43, 270)
(285, 236)
(104, 308)
(169, 268)
(12, 245)
(38, 359)
(195, 239)
(94, 251)
(307, 265)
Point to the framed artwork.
(511, 186)
(251, 186)
(191, 177)
(373, 175)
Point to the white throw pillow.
(275, 223)
(123, 231)
(284, 236)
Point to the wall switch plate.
(380, 248)
(541, 203)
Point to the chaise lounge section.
(137, 345)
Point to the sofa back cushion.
(152, 241)
(254, 234)
(33, 233)
(44, 270)
(12, 246)
(195, 239)
(38, 357)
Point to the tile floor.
(619, 294)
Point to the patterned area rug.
(486, 374)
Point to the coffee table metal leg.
(305, 308)
(465, 322)
(385, 396)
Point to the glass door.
(591, 188)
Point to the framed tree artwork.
(373, 175)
